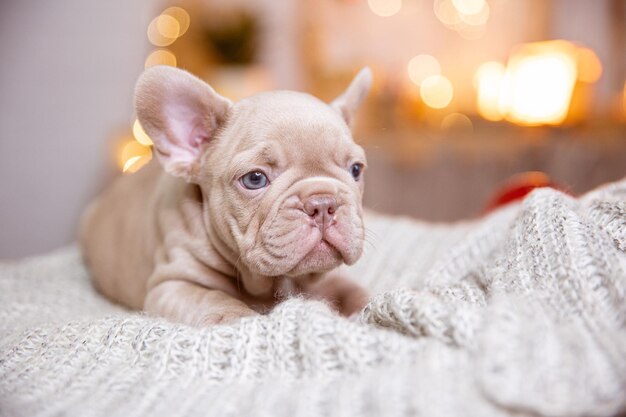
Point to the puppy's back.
(118, 236)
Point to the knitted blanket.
(522, 312)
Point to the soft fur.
(188, 241)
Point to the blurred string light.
(467, 17)
(162, 31)
(170, 25)
(421, 67)
(436, 91)
(133, 156)
(385, 8)
(181, 16)
(537, 85)
(167, 26)
(160, 57)
(469, 7)
(457, 122)
(478, 19)
(488, 83)
(589, 66)
(140, 135)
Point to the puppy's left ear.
(181, 114)
(348, 103)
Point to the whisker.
(371, 235)
(371, 244)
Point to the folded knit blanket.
(522, 312)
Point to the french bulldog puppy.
(252, 201)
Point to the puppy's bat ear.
(181, 114)
(348, 103)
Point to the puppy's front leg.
(345, 295)
(192, 304)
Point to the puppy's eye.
(356, 170)
(254, 180)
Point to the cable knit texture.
(522, 312)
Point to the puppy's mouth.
(322, 257)
(295, 243)
(326, 249)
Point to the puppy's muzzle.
(321, 208)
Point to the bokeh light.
(133, 156)
(385, 8)
(140, 135)
(589, 66)
(160, 57)
(132, 162)
(181, 16)
(436, 91)
(469, 7)
(478, 19)
(167, 26)
(488, 83)
(539, 83)
(447, 13)
(154, 33)
(423, 66)
(537, 86)
(467, 17)
(457, 122)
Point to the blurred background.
(467, 95)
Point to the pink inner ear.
(198, 136)
(184, 121)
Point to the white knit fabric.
(522, 312)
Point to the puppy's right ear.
(348, 103)
(181, 114)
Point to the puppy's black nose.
(321, 208)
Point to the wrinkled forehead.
(295, 124)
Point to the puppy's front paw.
(343, 294)
(353, 301)
(189, 303)
(226, 316)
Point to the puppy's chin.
(322, 258)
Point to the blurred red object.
(517, 186)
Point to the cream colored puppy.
(255, 200)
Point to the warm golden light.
(447, 13)
(160, 57)
(479, 18)
(140, 135)
(488, 83)
(467, 17)
(181, 16)
(168, 26)
(457, 122)
(436, 91)
(537, 86)
(385, 8)
(130, 163)
(423, 66)
(538, 83)
(155, 35)
(133, 156)
(469, 7)
(589, 66)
